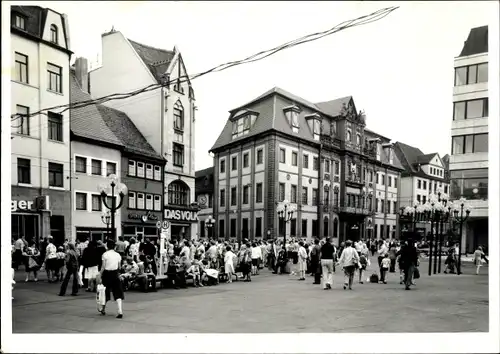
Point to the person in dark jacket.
(90, 261)
(316, 262)
(149, 251)
(408, 261)
(71, 270)
(101, 248)
(328, 259)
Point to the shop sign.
(183, 215)
(39, 203)
(143, 217)
(16, 205)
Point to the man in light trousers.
(327, 260)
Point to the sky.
(399, 70)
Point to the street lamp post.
(210, 222)
(106, 219)
(111, 190)
(285, 212)
(460, 218)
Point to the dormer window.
(292, 116)
(316, 128)
(53, 34)
(242, 125)
(20, 21)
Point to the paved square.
(270, 303)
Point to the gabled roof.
(410, 156)
(425, 159)
(157, 60)
(476, 43)
(87, 122)
(121, 125)
(333, 107)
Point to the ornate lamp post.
(460, 218)
(210, 222)
(285, 212)
(106, 219)
(113, 189)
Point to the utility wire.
(373, 17)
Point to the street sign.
(158, 224)
(162, 224)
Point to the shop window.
(25, 225)
(304, 227)
(57, 228)
(233, 228)
(258, 227)
(335, 228)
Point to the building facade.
(40, 52)
(317, 156)
(469, 133)
(165, 116)
(205, 197)
(424, 174)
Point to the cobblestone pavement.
(270, 303)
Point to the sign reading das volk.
(183, 215)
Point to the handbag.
(32, 263)
(416, 273)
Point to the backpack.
(374, 278)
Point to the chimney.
(82, 73)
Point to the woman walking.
(302, 261)
(478, 259)
(349, 259)
(229, 264)
(71, 270)
(31, 265)
(111, 261)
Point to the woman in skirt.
(302, 261)
(31, 254)
(110, 277)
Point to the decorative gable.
(242, 122)
(314, 122)
(292, 117)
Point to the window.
(233, 227)
(294, 158)
(149, 202)
(419, 184)
(293, 227)
(234, 196)
(282, 156)
(304, 227)
(53, 34)
(96, 167)
(389, 207)
(424, 185)
(131, 168)
(178, 116)
(222, 229)
(96, 202)
(241, 126)
(260, 155)
(81, 201)
(396, 182)
(55, 78)
(348, 136)
(222, 197)
(358, 139)
(245, 160)
(337, 168)
(389, 181)
(222, 166)
(394, 207)
(470, 184)
(304, 195)
(315, 228)
(382, 206)
(23, 171)
(245, 194)
(157, 206)
(382, 179)
(110, 168)
(445, 189)
(55, 126)
(315, 164)
(234, 163)
(22, 122)
(56, 174)
(157, 175)
(325, 227)
(315, 197)
(281, 195)
(258, 193)
(306, 161)
(472, 74)
(178, 193)
(21, 73)
(327, 166)
(149, 171)
(467, 144)
(140, 200)
(316, 129)
(258, 227)
(470, 109)
(424, 199)
(178, 150)
(20, 22)
(131, 200)
(80, 164)
(293, 196)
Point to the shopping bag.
(416, 273)
(80, 280)
(100, 296)
(32, 263)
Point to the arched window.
(335, 227)
(327, 195)
(178, 116)
(349, 136)
(178, 193)
(53, 34)
(358, 139)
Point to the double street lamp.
(113, 189)
(209, 223)
(285, 212)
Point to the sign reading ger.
(183, 215)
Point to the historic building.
(205, 198)
(469, 134)
(165, 116)
(317, 156)
(40, 52)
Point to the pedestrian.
(109, 276)
(18, 252)
(316, 262)
(51, 259)
(256, 256)
(71, 271)
(478, 258)
(327, 259)
(90, 260)
(384, 268)
(363, 264)
(392, 257)
(229, 264)
(382, 252)
(121, 246)
(302, 261)
(349, 260)
(31, 265)
(408, 261)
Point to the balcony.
(330, 141)
(354, 181)
(355, 210)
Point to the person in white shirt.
(229, 264)
(185, 251)
(256, 256)
(18, 252)
(51, 265)
(302, 261)
(111, 262)
(349, 259)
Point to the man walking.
(111, 262)
(408, 260)
(327, 259)
(316, 262)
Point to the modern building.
(164, 115)
(104, 142)
(40, 52)
(318, 156)
(424, 174)
(205, 197)
(469, 133)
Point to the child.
(229, 264)
(194, 270)
(385, 265)
(364, 263)
(60, 256)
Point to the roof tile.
(157, 60)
